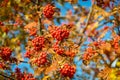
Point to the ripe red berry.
(59, 34)
(48, 11)
(28, 54)
(88, 53)
(5, 53)
(38, 42)
(42, 60)
(1, 23)
(28, 77)
(2, 65)
(57, 49)
(67, 71)
(18, 73)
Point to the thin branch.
(7, 76)
(39, 19)
(23, 61)
(89, 15)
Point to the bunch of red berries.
(67, 70)
(2, 65)
(18, 73)
(28, 54)
(38, 42)
(1, 23)
(103, 3)
(116, 42)
(88, 53)
(100, 3)
(5, 53)
(23, 76)
(28, 77)
(48, 11)
(57, 49)
(59, 34)
(42, 60)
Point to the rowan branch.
(39, 19)
(7, 76)
(89, 15)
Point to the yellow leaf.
(45, 78)
(19, 57)
(38, 71)
(93, 26)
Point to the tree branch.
(7, 76)
(39, 19)
(89, 15)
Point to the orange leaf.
(31, 25)
(53, 67)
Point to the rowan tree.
(60, 39)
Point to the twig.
(24, 61)
(7, 76)
(39, 19)
(89, 15)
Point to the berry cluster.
(28, 54)
(1, 23)
(38, 42)
(2, 65)
(48, 11)
(28, 77)
(23, 76)
(57, 49)
(59, 34)
(100, 3)
(67, 71)
(116, 42)
(18, 73)
(42, 60)
(103, 3)
(5, 53)
(98, 43)
(88, 54)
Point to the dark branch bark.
(7, 76)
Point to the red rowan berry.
(28, 77)
(59, 34)
(1, 23)
(28, 54)
(5, 53)
(57, 49)
(67, 71)
(48, 11)
(88, 53)
(18, 73)
(2, 65)
(42, 60)
(38, 42)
